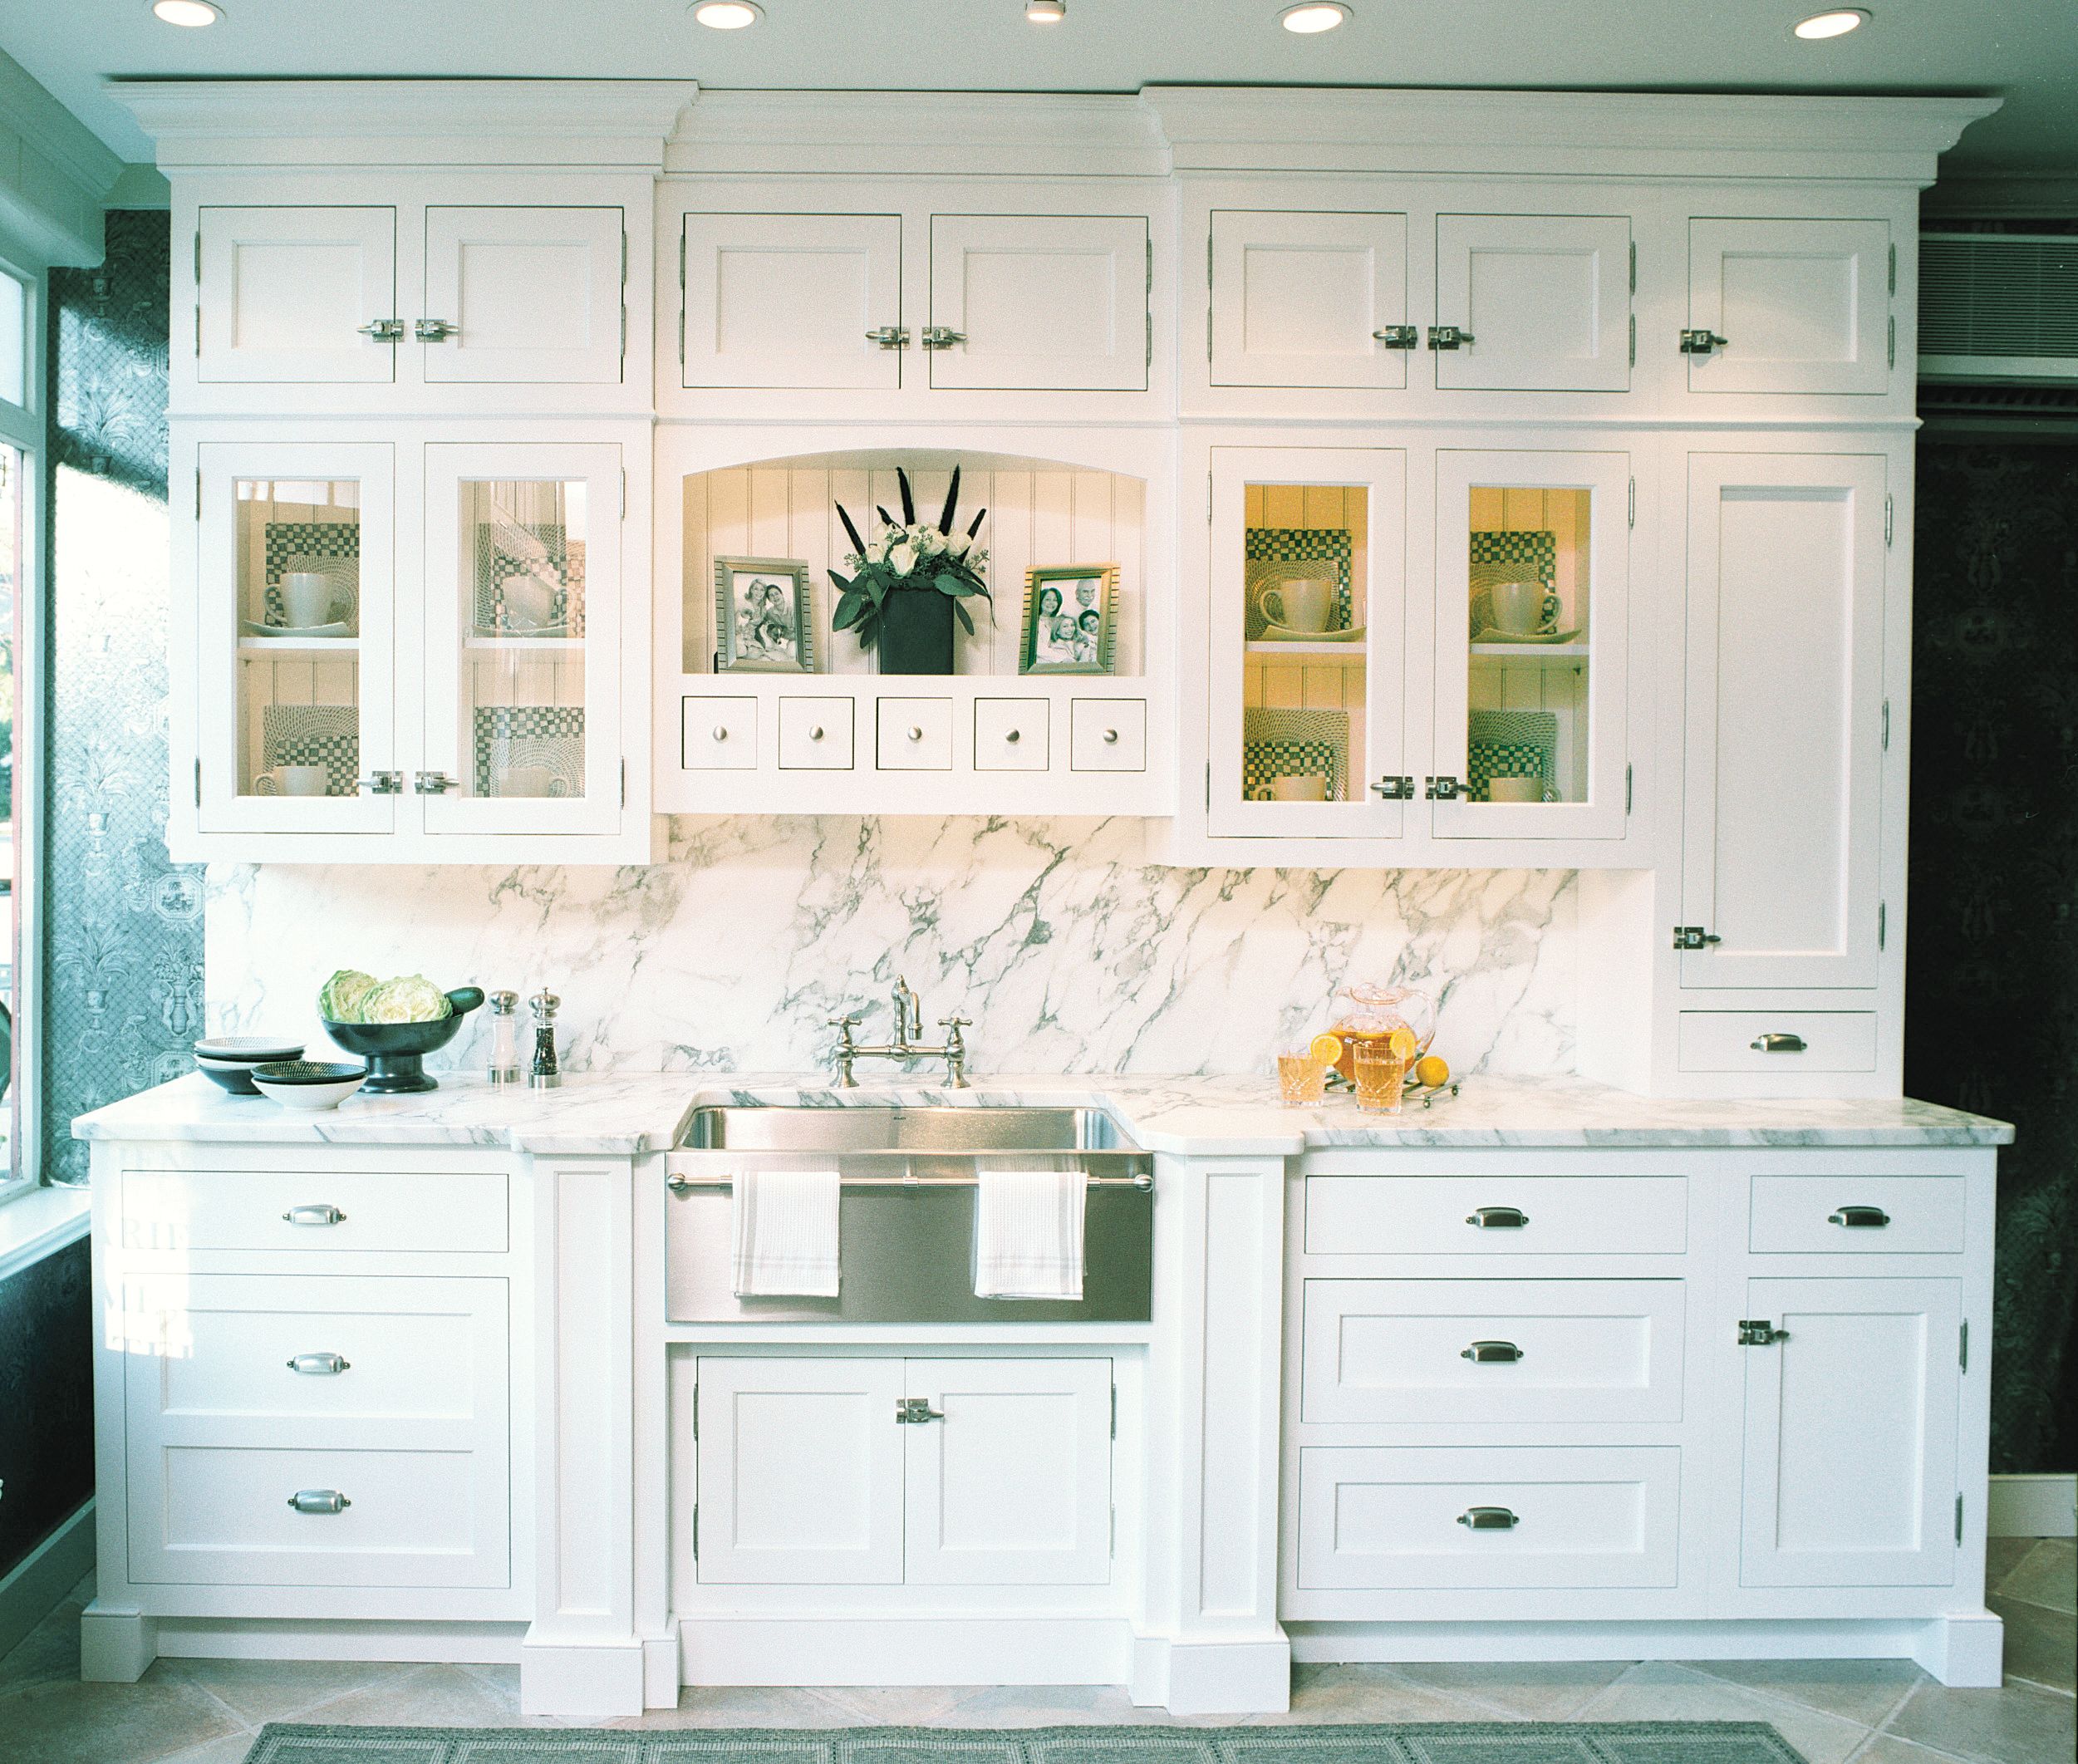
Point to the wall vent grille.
(1998, 307)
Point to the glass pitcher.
(1367, 1013)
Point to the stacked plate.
(227, 1060)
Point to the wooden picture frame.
(765, 620)
(1044, 645)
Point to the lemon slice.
(1404, 1044)
(1326, 1047)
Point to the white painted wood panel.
(1795, 1215)
(284, 293)
(1299, 299)
(174, 1211)
(719, 734)
(534, 295)
(816, 735)
(1803, 306)
(1040, 303)
(1782, 814)
(1108, 734)
(1435, 1215)
(787, 300)
(1757, 1041)
(1010, 734)
(914, 734)
(1545, 299)
(1849, 1472)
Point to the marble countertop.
(627, 1113)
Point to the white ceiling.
(2026, 51)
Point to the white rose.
(877, 551)
(902, 559)
(957, 544)
(930, 541)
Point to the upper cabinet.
(1310, 301)
(1791, 305)
(1532, 302)
(523, 295)
(296, 296)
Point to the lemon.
(1326, 1047)
(1431, 1070)
(1404, 1043)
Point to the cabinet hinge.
(198, 784)
(1886, 725)
(1112, 1549)
(1890, 353)
(695, 1530)
(197, 256)
(1889, 511)
(1114, 1412)
(695, 1411)
(1634, 340)
(1150, 314)
(1632, 512)
(1962, 1346)
(1208, 787)
(1150, 360)
(1208, 299)
(624, 493)
(1208, 498)
(198, 492)
(1883, 916)
(624, 295)
(197, 331)
(682, 297)
(1627, 790)
(624, 783)
(1958, 1519)
(1894, 269)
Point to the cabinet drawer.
(1441, 1215)
(1108, 734)
(276, 1211)
(916, 734)
(1010, 734)
(1858, 1215)
(719, 735)
(1778, 1041)
(1583, 1517)
(815, 735)
(1385, 1352)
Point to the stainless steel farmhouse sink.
(906, 1217)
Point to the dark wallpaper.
(1992, 967)
(47, 1398)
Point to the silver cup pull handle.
(319, 1365)
(320, 1214)
(1489, 1519)
(319, 1500)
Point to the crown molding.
(1691, 135)
(54, 175)
(1027, 134)
(572, 124)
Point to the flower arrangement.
(907, 556)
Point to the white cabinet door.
(1782, 807)
(1542, 302)
(291, 294)
(1040, 303)
(800, 1472)
(792, 300)
(1010, 1486)
(1796, 306)
(1851, 1434)
(523, 295)
(1309, 300)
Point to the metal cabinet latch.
(319, 1500)
(1441, 789)
(1491, 1218)
(1447, 336)
(1700, 342)
(942, 337)
(1694, 937)
(1399, 337)
(434, 330)
(1861, 1218)
(1492, 1353)
(1395, 788)
(383, 329)
(914, 1411)
(433, 783)
(889, 336)
(1488, 1518)
(1757, 1331)
(381, 783)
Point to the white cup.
(293, 780)
(530, 602)
(1514, 790)
(1299, 605)
(1295, 786)
(308, 597)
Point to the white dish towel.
(1028, 1234)
(784, 1233)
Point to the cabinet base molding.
(1213, 1677)
(117, 1645)
(595, 1681)
(737, 1649)
(1963, 1650)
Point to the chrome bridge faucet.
(909, 1024)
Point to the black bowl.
(395, 1052)
(234, 1057)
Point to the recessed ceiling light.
(1312, 17)
(193, 14)
(1838, 23)
(1046, 12)
(728, 15)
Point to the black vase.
(915, 632)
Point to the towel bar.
(680, 1183)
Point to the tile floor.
(1834, 1712)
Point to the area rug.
(1439, 1743)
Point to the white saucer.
(1490, 635)
(341, 629)
(1285, 634)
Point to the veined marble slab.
(627, 1113)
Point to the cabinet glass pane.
(523, 611)
(1305, 573)
(1527, 725)
(298, 590)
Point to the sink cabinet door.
(1012, 1486)
(800, 1473)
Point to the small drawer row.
(920, 733)
(317, 1211)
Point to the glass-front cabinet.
(1531, 592)
(1308, 721)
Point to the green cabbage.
(340, 999)
(411, 999)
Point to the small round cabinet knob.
(815, 733)
(721, 733)
(1110, 737)
(1011, 736)
(914, 733)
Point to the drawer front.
(1858, 1215)
(1108, 734)
(1583, 1516)
(1010, 734)
(1778, 1041)
(317, 1211)
(1380, 1353)
(719, 735)
(815, 735)
(916, 734)
(1441, 1215)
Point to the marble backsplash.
(1071, 953)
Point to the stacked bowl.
(228, 1061)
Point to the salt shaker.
(505, 1067)
(546, 1074)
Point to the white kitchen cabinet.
(1040, 303)
(1786, 718)
(1532, 302)
(811, 301)
(1309, 299)
(1849, 1474)
(1790, 306)
(525, 293)
(292, 293)
(863, 1471)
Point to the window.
(21, 438)
(11, 600)
(14, 340)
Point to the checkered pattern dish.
(315, 734)
(1266, 546)
(550, 736)
(333, 546)
(1285, 744)
(1510, 743)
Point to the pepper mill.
(546, 1074)
(505, 1067)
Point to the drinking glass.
(1302, 1080)
(1379, 1071)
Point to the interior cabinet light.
(728, 15)
(191, 14)
(1313, 17)
(1838, 23)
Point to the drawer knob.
(319, 1500)
(1777, 1042)
(314, 1216)
(1012, 736)
(1859, 1218)
(319, 1365)
(815, 733)
(1492, 1353)
(1488, 1518)
(1497, 1218)
(720, 733)
(916, 733)
(1110, 737)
